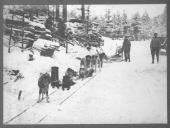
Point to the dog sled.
(118, 56)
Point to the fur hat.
(155, 34)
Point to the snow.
(37, 24)
(111, 45)
(74, 27)
(41, 43)
(122, 92)
(31, 71)
(134, 92)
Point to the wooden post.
(19, 94)
(66, 47)
(9, 48)
(23, 32)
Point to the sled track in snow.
(60, 103)
(77, 90)
(19, 114)
(42, 118)
(65, 99)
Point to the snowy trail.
(122, 92)
(40, 110)
(134, 92)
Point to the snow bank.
(41, 43)
(77, 50)
(31, 70)
(37, 24)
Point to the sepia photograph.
(85, 64)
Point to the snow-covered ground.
(121, 92)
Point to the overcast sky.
(99, 10)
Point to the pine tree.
(118, 23)
(124, 17)
(136, 24)
(73, 14)
(145, 18)
(145, 25)
(124, 22)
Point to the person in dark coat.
(155, 46)
(126, 48)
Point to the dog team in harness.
(90, 63)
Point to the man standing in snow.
(155, 46)
(126, 48)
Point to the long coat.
(126, 45)
(155, 43)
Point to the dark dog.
(71, 73)
(88, 61)
(67, 79)
(102, 56)
(86, 65)
(85, 73)
(67, 82)
(83, 67)
(43, 83)
(94, 62)
(89, 73)
(82, 74)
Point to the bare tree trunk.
(65, 13)
(37, 13)
(83, 12)
(48, 11)
(9, 48)
(53, 15)
(57, 12)
(23, 32)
